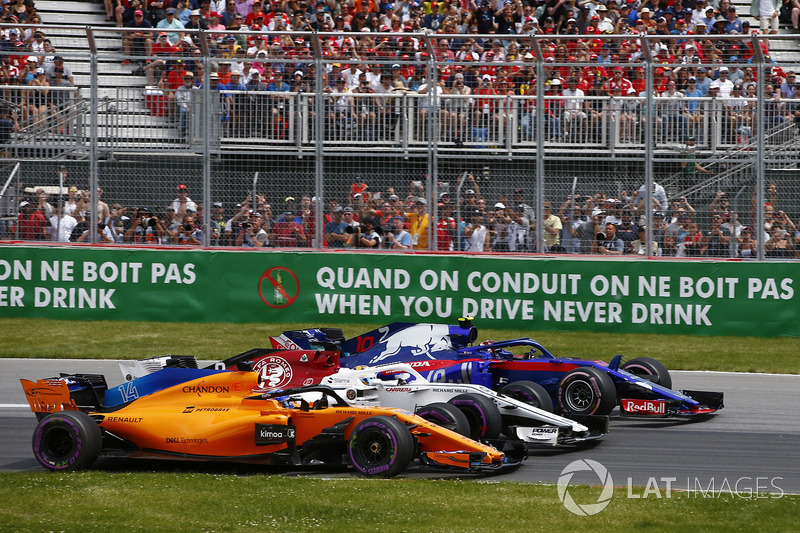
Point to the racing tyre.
(529, 392)
(587, 391)
(68, 440)
(649, 369)
(445, 415)
(381, 446)
(482, 414)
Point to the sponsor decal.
(123, 419)
(398, 389)
(544, 431)
(189, 409)
(378, 469)
(308, 381)
(275, 372)
(351, 394)
(42, 391)
(185, 440)
(282, 287)
(212, 410)
(206, 389)
(267, 434)
(644, 407)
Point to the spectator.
(767, 13)
(365, 235)
(172, 26)
(182, 205)
(552, 230)
(639, 247)
(253, 234)
(334, 233)
(66, 72)
(475, 233)
(419, 221)
(183, 104)
(188, 233)
(146, 228)
(287, 231)
(608, 243)
(140, 41)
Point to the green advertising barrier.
(689, 297)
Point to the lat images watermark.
(745, 487)
(590, 508)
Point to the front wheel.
(649, 369)
(531, 393)
(381, 446)
(68, 440)
(482, 414)
(445, 415)
(587, 391)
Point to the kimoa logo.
(586, 509)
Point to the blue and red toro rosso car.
(522, 368)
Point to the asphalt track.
(751, 446)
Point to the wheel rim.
(375, 449)
(58, 443)
(579, 396)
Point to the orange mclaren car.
(215, 415)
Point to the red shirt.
(32, 227)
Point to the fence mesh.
(258, 139)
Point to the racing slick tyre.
(587, 391)
(482, 414)
(529, 392)
(68, 440)
(649, 369)
(445, 415)
(381, 446)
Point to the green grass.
(151, 501)
(39, 338)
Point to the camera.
(352, 229)
(187, 227)
(600, 236)
(245, 225)
(149, 222)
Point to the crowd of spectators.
(30, 69)
(391, 219)
(387, 60)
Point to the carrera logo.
(398, 389)
(644, 407)
(267, 434)
(275, 372)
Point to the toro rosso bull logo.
(275, 372)
(644, 407)
(416, 341)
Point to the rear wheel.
(649, 369)
(529, 392)
(445, 415)
(482, 414)
(68, 440)
(381, 446)
(587, 391)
